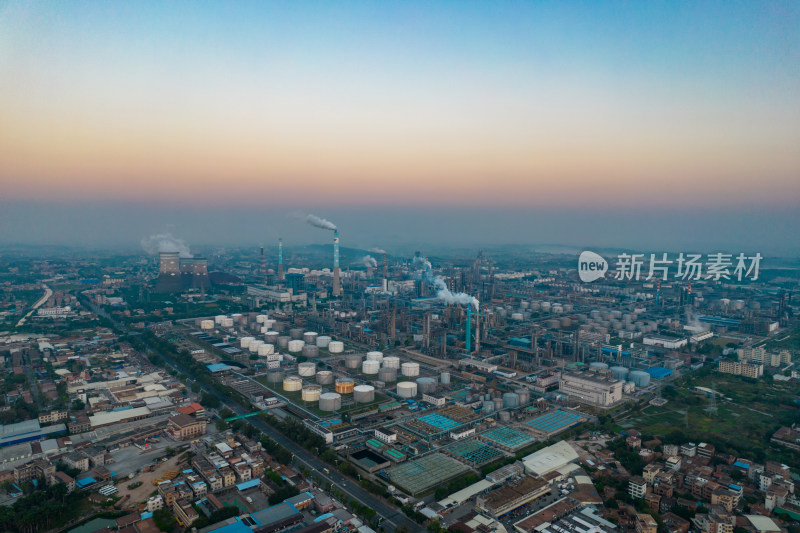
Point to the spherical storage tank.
(271, 337)
(292, 383)
(352, 361)
(639, 378)
(311, 393)
(345, 385)
(598, 366)
(375, 356)
(323, 341)
(410, 369)
(306, 370)
(406, 389)
(336, 347)
(330, 401)
(510, 400)
(426, 385)
(364, 394)
(296, 345)
(310, 350)
(266, 349)
(370, 367)
(244, 342)
(283, 341)
(324, 377)
(296, 333)
(619, 372)
(310, 337)
(387, 375)
(206, 324)
(390, 362)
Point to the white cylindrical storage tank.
(219, 318)
(260, 319)
(310, 337)
(410, 369)
(391, 362)
(375, 356)
(306, 370)
(244, 342)
(557, 308)
(292, 383)
(271, 337)
(269, 324)
(310, 350)
(510, 400)
(311, 393)
(330, 401)
(325, 377)
(545, 307)
(598, 366)
(364, 394)
(370, 367)
(266, 349)
(227, 323)
(445, 378)
(568, 308)
(524, 304)
(296, 345)
(296, 333)
(619, 372)
(406, 389)
(275, 376)
(517, 316)
(387, 375)
(524, 396)
(640, 379)
(498, 403)
(206, 324)
(283, 341)
(336, 347)
(426, 385)
(352, 361)
(323, 341)
(255, 344)
(345, 385)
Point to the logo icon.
(591, 266)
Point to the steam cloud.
(377, 251)
(320, 222)
(165, 242)
(443, 293)
(369, 261)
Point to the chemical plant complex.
(403, 393)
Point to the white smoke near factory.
(377, 251)
(320, 222)
(369, 261)
(446, 295)
(165, 243)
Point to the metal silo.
(364, 394)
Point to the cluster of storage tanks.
(638, 378)
(526, 309)
(328, 401)
(505, 400)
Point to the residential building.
(637, 487)
(741, 369)
(53, 416)
(645, 523)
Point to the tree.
(221, 424)
(164, 519)
(195, 387)
(209, 400)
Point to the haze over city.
(609, 125)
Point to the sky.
(221, 118)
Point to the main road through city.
(391, 517)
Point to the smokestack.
(263, 266)
(280, 260)
(469, 328)
(385, 270)
(478, 332)
(337, 288)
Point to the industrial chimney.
(337, 288)
(280, 260)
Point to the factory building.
(514, 494)
(591, 388)
(176, 273)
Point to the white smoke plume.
(444, 294)
(165, 242)
(369, 261)
(377, 251)
(320, 222)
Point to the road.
(48, 292)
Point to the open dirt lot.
(140, 494)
